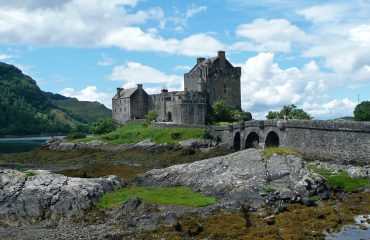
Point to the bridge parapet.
(344, 141)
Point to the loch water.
(21, 144)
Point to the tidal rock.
(41, 194)
(197, 143)
(358, 172)
(275, 181)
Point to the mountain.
(25, 109)
(84, 111)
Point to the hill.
(84, 111)
(25, 109)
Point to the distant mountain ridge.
(26, 109)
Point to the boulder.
(41, 194)
(278, 179)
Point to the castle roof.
(126, 93)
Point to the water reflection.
(359, 230)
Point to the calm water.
(21, 144)
(353, 231)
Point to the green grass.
(267, 152)
(340, 180)
(172, 195)
(135, 132)
(31, 173)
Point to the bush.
(175, 135)
(362, 111)
(76, 135)
(104, 125)
(290, 112)
(151, 116)
(207, 133)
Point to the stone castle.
(210, 80)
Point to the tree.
(362, 111)
(103, 125)
(289, 112)
(222, 112)
(151, 116)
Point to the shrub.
(104, 125)
(207, 133)
(76, 135)
(362, 111)
(31, 173)
(151, 116)
(175, 135)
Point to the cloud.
(266, 86)
(106, 61)
(329, 110)
(182, 68)
(90, 93)
(194, 10)
(361, 34)
(5, 57)
(268, 35)
(82, 23)
(133, 73)
(325, 13)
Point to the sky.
(314, 54)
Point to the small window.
(125, 110)
(225, 89)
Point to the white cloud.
(268, 35)
(194, 10)
(333, 109)
(90, 93)
(325, 13)
(106, 61)
(5, 57)
(182, 68)
(133, 73)
(93, 23)
(266, 86)
(361, 34)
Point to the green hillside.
(25, 109)
(82, 110)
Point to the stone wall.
(342, 141)
(139, 104)
(121, 110)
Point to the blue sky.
(315, 54)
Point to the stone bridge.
(342, 141)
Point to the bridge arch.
(272, 139)
(236, 143)
(252, 140)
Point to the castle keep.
(210, 80)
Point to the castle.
(210, 80)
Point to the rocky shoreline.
(254, 193)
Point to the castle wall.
(139, 104)
(121, 110)
(159, 102)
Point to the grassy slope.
(175, 195)
(87, 111)
(134, 132)
(340, 180)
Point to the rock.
(62, 146)
(197, 143)
(235, 172)
(44, 194)
(358, 172)
(270, 220)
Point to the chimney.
(221, 56)
(199, 60)
(140, 86)
(119, 91)
(164, 90)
